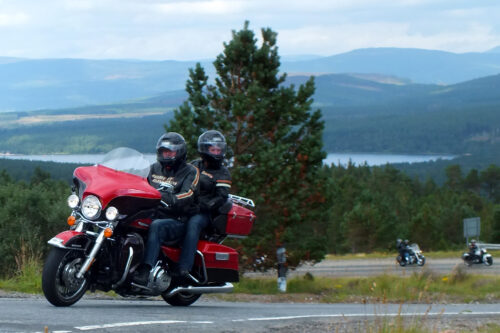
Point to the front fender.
(70, 239)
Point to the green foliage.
(30, 214)
(24, 169)
(375, 206)
(276, 143)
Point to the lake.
(335, 158)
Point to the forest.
(370, 207)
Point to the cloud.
(13, 19)
(196, 29)
(342, 38)
(215, 7)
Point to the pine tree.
(276, 142)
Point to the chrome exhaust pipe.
(226, 288)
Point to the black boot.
(181, 275)
(141, 275)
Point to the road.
(94, 315)
(371, 267)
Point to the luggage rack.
(241, 200)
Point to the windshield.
(127, 160)
(415, 247)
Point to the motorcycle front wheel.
(489, 261)
(60, 285)
(421, 262)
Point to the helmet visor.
(214, 148)
(167, 145)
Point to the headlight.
(91, 207)
(111, 213)
(73, 201)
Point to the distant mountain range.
(419, 66)
(27, 84)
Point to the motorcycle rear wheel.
(181, 299)
(60, 285)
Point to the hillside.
(60, 83)
(37, 84)
(421, 66)
(363, 113)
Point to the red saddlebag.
(236, 221)
(221, 261)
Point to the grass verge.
(425, 287)
(27, 280)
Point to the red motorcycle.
(113, 206)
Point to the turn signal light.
(108, 232)
(71, 220)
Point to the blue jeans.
(193, 229)
(163, 230)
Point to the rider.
(215, 183)
(177, 182)
(473, 248)
(405, 250)
(401, 248)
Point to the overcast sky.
(196, 29)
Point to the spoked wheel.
(181, 299)
(59, 282)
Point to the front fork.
(91, 257)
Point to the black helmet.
(171, 141)
(206, 144)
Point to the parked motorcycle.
(113, 206)
(413, 256)
(480, 256)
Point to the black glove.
(169, 198)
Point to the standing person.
(177, 182)
(215, 183)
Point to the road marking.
(139, 323)
(370, 315)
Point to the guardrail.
(489, 246)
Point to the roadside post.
(281, 259)
(472, 228)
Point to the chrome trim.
(236, 236)
(205, 275)
(79, 227)
(126, 270)
(241, 200)
(91, 257)
(221, 256)
(139, 286)
(226, 288)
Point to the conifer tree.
(276, 143)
